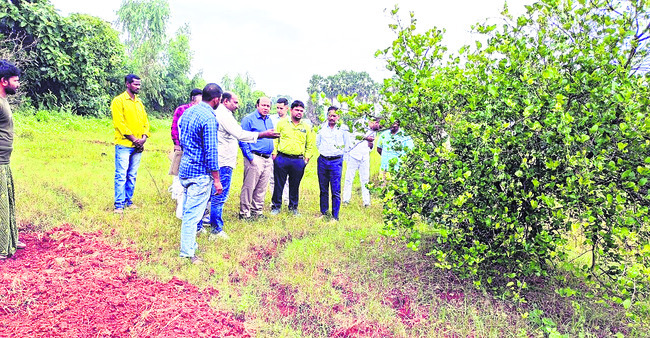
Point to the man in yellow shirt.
(131, 132)
(290, 156)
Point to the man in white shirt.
(229, 135)
(332, 140)
(359, 160)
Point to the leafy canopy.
(531, 146)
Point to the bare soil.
(67, 284)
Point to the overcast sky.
(282, 43)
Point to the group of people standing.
(276, 149)
(207, 139)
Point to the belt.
(260, 154)
(290, 156)
(332, 158)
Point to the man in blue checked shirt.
(199, 169)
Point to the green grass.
(286, 276)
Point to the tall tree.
(77, 60)
(244, 87)
(344, 83)
(144, 24)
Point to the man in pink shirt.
(176, 189)
(195, 97)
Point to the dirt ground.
(67, 284)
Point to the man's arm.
(310, 144)
(146, 133)
(175, 138)
(230, 125)
(245, 147)
(276, 142)
(210, 143)
(216, 182)
(117, 112)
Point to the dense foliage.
(76, 61)
(547, 158)
(243, 86)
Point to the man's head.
(212, 95)
(132, 82)
(9, 78)
(332, 116)
(394, 128)
(263, 105)
(282, 106)
(195, 96)
(375, 123)
(230, 101)
(297, 110)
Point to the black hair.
(297, 103)
(211, 91)
(334, 108)
(7, 70)
(129, 78)
(195, 92)
(283, 101)
(226, 96)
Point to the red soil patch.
(69, 284)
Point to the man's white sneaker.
(221, 234)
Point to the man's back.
(198, 129)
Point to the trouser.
(354, 165)
(217, 201)
(285, 192)
(8, 228)
(256, 178)
(127, 161)
(197, 194)
(294, 169)
(329, 178)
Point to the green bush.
(548, 138)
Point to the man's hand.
(370, 138)
(274, 156)
(268, 134)
(218, 187)
(177, 147)
(306, 160)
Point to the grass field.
(285, 276)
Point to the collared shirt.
(6, 131)
(294, 139)
(332, 141)
(198, 130)
(177, 114)
(393, 146)
(129, 118)
(229, 133)
(359, 149)
(275, 118)
(256, 122)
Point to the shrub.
(546, 118)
